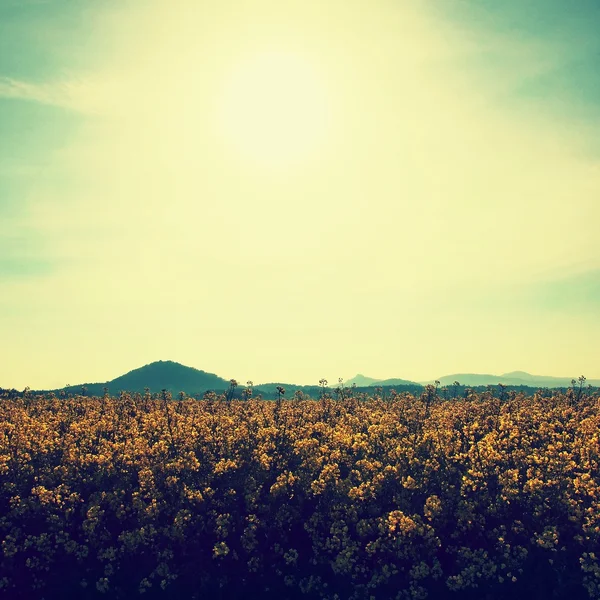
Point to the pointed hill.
(362, 381)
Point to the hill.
(176, 378)
(157, 376)
(362, 381)
(514, 378)
(395, 381)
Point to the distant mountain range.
(176, 377)
(514, 378)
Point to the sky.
(295, 190)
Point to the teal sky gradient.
(446, 222)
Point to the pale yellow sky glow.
(274, 109)
(295, 190)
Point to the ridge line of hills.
(176, 377)
(514, 378)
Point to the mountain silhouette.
(175, 377)
(158, 376)
(514, 378)
(362, 381)
(395, 381)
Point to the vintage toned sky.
(294, 190)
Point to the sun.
(274, 109)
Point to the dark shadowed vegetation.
(355, 497)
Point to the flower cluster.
(357, 498)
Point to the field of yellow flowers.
(351, 498)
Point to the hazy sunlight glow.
(285, 191)
(273, 109)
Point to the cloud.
(458, 159)
(88, 95)
(56, 95)
(536, 59)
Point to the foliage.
(349, 498)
